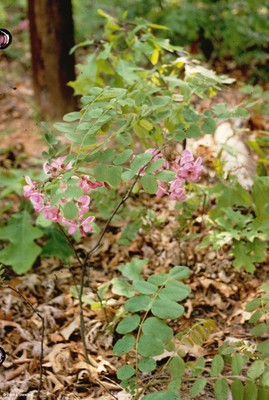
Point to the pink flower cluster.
(82, 222)
(56, 166)
(187, 170)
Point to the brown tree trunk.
(52, 36)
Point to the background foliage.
(138, 90)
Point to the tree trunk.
(52, 36)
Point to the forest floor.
(218, 292)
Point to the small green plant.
(148, 102)
(240, 220)
(249, 359)
(241, 367)
(151, 303)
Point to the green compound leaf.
(64, 127)
(158, 279)
(193, 131)
(153, 166)
(149, 346)
(198, 367)
(165, 176)
(209, 126)
(122, 157)
(137, 303)
(122, 288)
(161, 396)
(253, 305)
(132, 270)
(124, 345)
(153, 326)
(217, 365)
(125, 372)
(145, 287)
(108, 173)
(197, 387)
(259, 329)
(149, 183)
(174, 385)
(256, 369)
(265, 379)
(264, 348)
(238, 361)
(72, 192)
(70, 210)
(128, 324)
(246, 255)
(22, 251)
(221, 389)
(146, 364)
(72, 116)
(237, 389)
(175, 290)
(140, 160)
(176, 367)
(165, 308)
(114, 175)
(180, 272)
(256, 316)
(250, 391)
(127, 175)
(56, 245)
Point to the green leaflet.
(161, 396)
(125, 372)
(197, 387)
(56, 245)
(22, 251)
(124, 345)
(149, 346)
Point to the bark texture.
(52, 36)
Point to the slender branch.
(81, 314)
(70, 244)
(121, 203)
(80, 293)
(35, 311)
(84, 264)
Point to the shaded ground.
(218, 291)
(18, 124)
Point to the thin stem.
(70, 244)
(121, 202)
(81, 314)
(80, 293)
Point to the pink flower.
(84, 201)
(186, 157)
(52, 214)
(197, 169)
(161, 189)
(86, 184)
(71, 224)
(30, 188)
(186, 168)
(86, 225)
(176, 191)
(37, 199)
(156, 156)
(56, 166)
